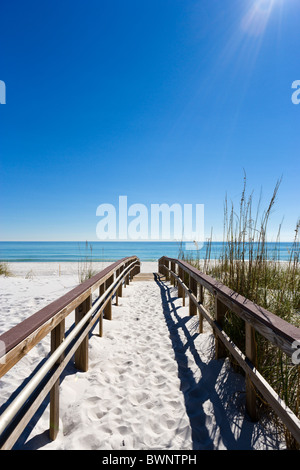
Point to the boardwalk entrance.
(144, 277)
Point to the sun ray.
(257, 17)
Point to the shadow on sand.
(214, 395)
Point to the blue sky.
(164, 101)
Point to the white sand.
(152, 381)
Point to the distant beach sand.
(152, 381)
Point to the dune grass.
(247, 267)
(4, 269)
(85, 265)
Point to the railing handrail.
(22, 330)
(29, 388)
(285, 333)
(21, 338)
(275, 329)
(62, 347)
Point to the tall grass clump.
(4, 269)
(85, 265)
(249, 267)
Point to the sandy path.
(130, 398)
(152, 384)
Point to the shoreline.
(56, 268)
(109, 252)
(41, 268)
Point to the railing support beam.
(81, 355)
(193, 289)
(86, 315)
(166, 263)
(101, 292)
(160, 267)
(107, 312)
(57, 337)
(120, 290)
(173, 270)
(220, 311)
(127, 278)
(201, 300)
(181, 293)
(257, 320)
(251, 354)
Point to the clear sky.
(164, 101)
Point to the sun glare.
(265, 5)
(256, 18)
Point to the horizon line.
(132, 241)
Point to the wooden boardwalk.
(190, 285)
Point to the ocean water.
(113, 251)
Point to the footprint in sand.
(138, 397)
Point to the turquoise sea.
(112, 251)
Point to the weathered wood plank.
(20, 339)
(272, 327)
(52, 384)
(193, 290)
(220, 311)
(57, 337)
(279, 406)
(180, 288)
(34, 406)
(250, 349)
(120, 290)
(200, 301)
(81, 355)
(279, 332)
(107, 312)
(66, 303)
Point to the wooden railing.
(192, 282)
(64, 345)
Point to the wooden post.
(200, 299)
(135, 271)
(166, 271)
(81, 354)
(180, 288)
(252, 356)
(57, 337)
(138, 268)
(127, 280)
(119, 290)
(220, 311)
(101, 292)
(183, 273)
(176, 272)
(108, 309)
(161, 269)
(117, 294)
(171, 275)
(193, 288)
